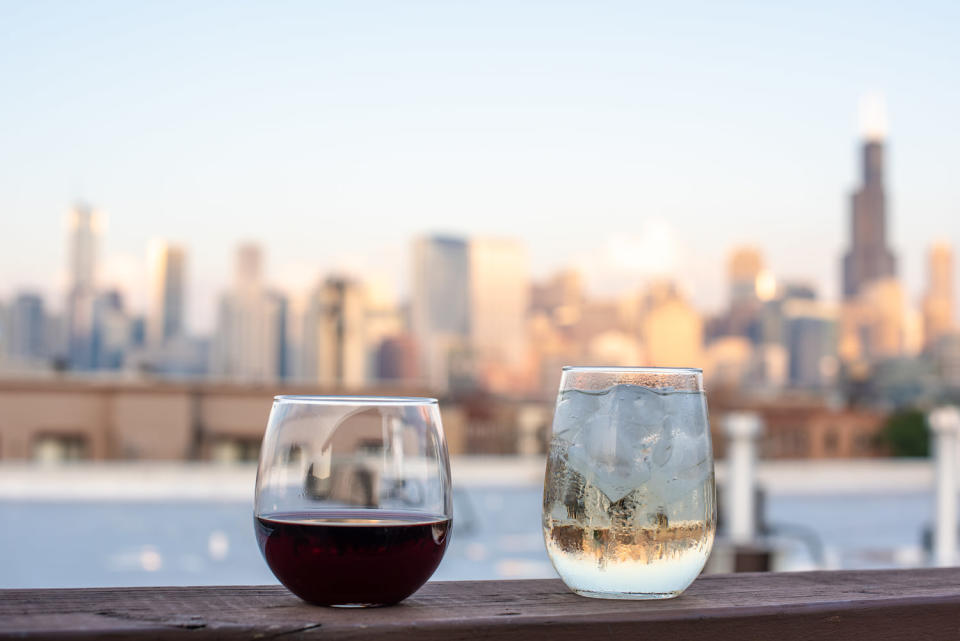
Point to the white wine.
(629, 500)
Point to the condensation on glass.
(629, 503)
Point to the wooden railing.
(876, 605)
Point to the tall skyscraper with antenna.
(869, 258)
(84, 232)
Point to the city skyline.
(476, 320)
(145, 299)
(333, 135)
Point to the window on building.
(56, 448)
(863, 443)
(235, 450)
(831, 441)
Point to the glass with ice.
(629, 500)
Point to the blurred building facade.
(62, 420)
(474, 321)
(869, 258)
(112, 331)
(671, 329)
(440, 308)
(499, 299)
(334, 348)
(249, 341)
(84, 227)
(26, 323)
(939, 301)
(167, 293)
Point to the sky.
(627, 139)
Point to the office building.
(873, 325)
(397, 359)
(671, 329)
(84, 226)
(25, 336)
(249, 343)
(334, 342)
(499, 301)
(440, 308)
(743, 271)
(869, 258)
(167, 292)
(811, 342)
(112, 331)
(560, 298)
(938, 303)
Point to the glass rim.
(638, 370)
(332, 399)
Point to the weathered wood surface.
(876, 605)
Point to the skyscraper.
(334, 345)
(750, 285)
(112, 329)
(440, 307)
(84, 230)
(938, 301)
(869, 258)
(810, 333)
(250, 335)
(743, 269)
(671, 329)
(499, 301)
(26, 329)
(167, 281)
(873, 326)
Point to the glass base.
(628, 596)
(356, 605)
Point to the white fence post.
(743, 429)
(944, 424)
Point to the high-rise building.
(560, 297)
(873, 326)
(499, 301)
(249, 343)
(167, 297)
(743, 270)
(560, 328)
(84, 230)
(671, 329)
(811, 340)
(396, 359)
(869, 258)
(112, 329)
(938, 301)
(440, 307)
(84, 225)
(248, 270)
(26, 329)
(391, 349)
(750, 285)
(334, 342)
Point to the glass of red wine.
(353, 504)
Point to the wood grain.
(876, 605)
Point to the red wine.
(371, 557)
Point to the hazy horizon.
(618, 139)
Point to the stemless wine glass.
(353, 503)
(629, 502)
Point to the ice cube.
(663, 450)
(689, 413)
(621, 437)
(608, 445)
(573, 407)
